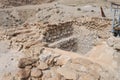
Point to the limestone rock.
(70, 66)
(68, 72)
(25, 62)
(114, 42)
(51, 75)
(48, 56)
(43, 57)
(42, 66)
(36, 73)
(24, 74)
(62, 60)
(46, 75)
(110, 42)
(81, 69)
(117, 46)
(28, 67)
(33, 78)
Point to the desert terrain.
(58, 40)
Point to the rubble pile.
(54, 35)
(77, 36)
(55, 64)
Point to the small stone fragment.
(42, 66)
(36, 73)
(25, 62)
(24, 74)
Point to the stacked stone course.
(53, 35)
(60, 36)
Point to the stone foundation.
(53, 35)
(60, 36)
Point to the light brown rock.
(46, 75)
(62, 60)
(42, 65)
(25, 62)
(51, 75)
(36, 73)
(33, 78)
(68, 72)
(117, 46)
(24, 74)
(28, 67)
(114, 42)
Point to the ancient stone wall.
(53, 35)
(60, 36)
(55, 32)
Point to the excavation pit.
(76, 36)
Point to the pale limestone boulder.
(36, 73)
(42, 65)
(23, 74)
(26, 61)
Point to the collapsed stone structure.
(45, 47)
(77, 36)
(49, 36)
(53, 35)
(60, 65)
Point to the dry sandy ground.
(8, 60)
(52, 13)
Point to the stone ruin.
(49, 52)
(76, 36)
(52, 35)
(60, 36)
(55, 64)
